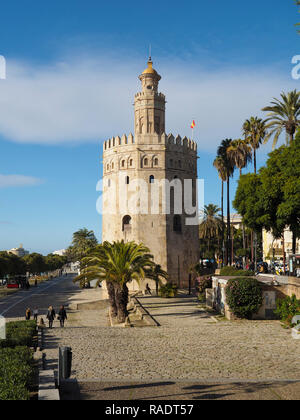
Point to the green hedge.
(19, 333)
(231, 271)
(244, 296)
(16, 373)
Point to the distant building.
(273, 248)
(19, 252)
(235, 220)
(60, 252)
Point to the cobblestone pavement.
(189, 345)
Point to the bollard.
(64, 363)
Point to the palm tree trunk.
(228, 221)
(254, 161)
(252, 249)
(112, 299)
(283, 250)
(244, 246)
(294, 241)
(222, 213)
(121, 294)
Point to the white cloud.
(7, 181)
(91, 99)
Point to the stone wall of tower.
(150, 156)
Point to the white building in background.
(60, 252)
(19, 252)
(273, 248)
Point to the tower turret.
(149, 104)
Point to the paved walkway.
(188, 346)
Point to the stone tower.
(142, 175)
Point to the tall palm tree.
(240, 153)
(118, 263)
(255, 131)
(283, 114)
(229, 169)
(211, 225)
(220, 165)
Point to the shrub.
(244, 296)
(168, 290)
(203, 283)
(231, 271)
(16, 373)
(287, 308)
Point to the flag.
(193, 124)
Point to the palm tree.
(118, 263)
(211, 225)
(283, 115)
(240, 153)
(229, 170)
(219, 164)
(255, 131)
(156, 273)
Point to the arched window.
(112, 166)
(171, 163)
(107, 167)
(126, 223)
(131, 162)
(177, 223)
(151, 179)
(155, 162)
(127, 180)
(145, 162)
(179, 164)
(123, 163)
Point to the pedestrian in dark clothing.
(62, 316)
(51, 316)
(35, 314)
(28, 314)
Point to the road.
(55, 292)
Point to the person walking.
(62, 316)
(51, 316)
(28, 314)
(35, 314)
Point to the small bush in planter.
(168, 290)
(244, 296)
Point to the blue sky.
(72, 70)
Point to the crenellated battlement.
(171, 142)
(150, 92)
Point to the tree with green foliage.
(35, 263)
(255, 131)
(283, 115)
(240, 153)
(211, 225)
(83, 241)
(157, 274)
(118, 263)
(229, 170)
(220, 165)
